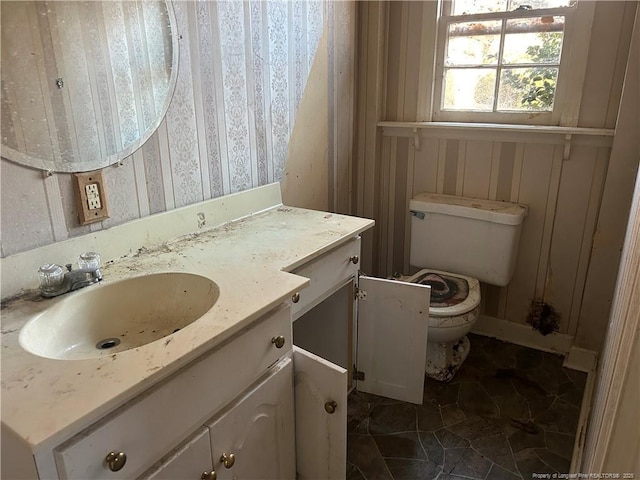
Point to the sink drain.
(107, 343)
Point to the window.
(503, 60)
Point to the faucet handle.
(89, 260)
(51, 278)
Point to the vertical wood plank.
(517, 172)
(531, 182)
(552, 198)
(442, 162)
(460, 173)
(451, 167)
(593, 209)
(495, 170)
(425, 176)
(411, 167)
(478, 170)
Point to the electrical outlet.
(93, 196)
(90, 195)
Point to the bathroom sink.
(108, 318)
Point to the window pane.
(541, 47)
(466, 7)
(514, 4)
(469, 88)
(526, 89)
(471, 43)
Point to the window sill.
(499, 132)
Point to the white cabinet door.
(258, 429)
(189, 461)
(321, 436)
(392, 338)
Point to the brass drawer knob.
(295, 298)
(330, 407)
(354, 259)
(115, 461)
(278, 341)
(212, 475)
(228, 459)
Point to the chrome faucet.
(55, 281)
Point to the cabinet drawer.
(325, 274)
(154, 423)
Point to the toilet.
(458, 242)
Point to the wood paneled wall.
(564, 196)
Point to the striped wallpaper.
(243, 71)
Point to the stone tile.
(466, 462)
(560, 417)
(433, 448)
(395, 418)
(353, 473)
(448, 439)
(550, 375)
(449, 476)
(528, 358)
(400, 445)
(452, 414)
(512, 406)
(495, 386)
(555, 461)
(363, 453)
(560, 443)
(406, 469)
(475, 428)
(428, 419)
(570, 393)
(528, 463)
(440, 394)
(473, 400)
(358, 410)
(523, 440)
(499, 473)
(497, 450)
(502, 354)
(578, 378)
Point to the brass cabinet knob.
(115, 461)
(330, 407)
(212, 475)
(228, 459)
(278, 341)
(295, 298)
(354, 259)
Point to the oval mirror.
(84, 84)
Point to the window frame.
(578, 18)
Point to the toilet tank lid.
(487, 210)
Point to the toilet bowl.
(453, 310)
(475, 237)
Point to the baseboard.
(522, 335)
(581, 359)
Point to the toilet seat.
(466, 305)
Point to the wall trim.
(523, 335)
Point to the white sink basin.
(110, 318)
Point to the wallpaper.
(242, 72)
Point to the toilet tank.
(478, 238)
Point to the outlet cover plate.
(92, 209)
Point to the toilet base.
(444, 359)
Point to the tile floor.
(509, 412)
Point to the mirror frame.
(50, 167)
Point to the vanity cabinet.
(152, 424)
(251, 438)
